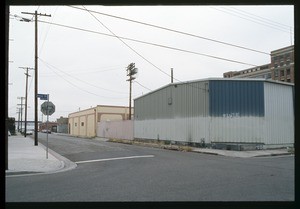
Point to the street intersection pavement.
(24, 158)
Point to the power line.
(173, 30)
(149, 43)
(140, 54)
(260, 21)
(142, 85)
(230, 13)
(263, 18)
(42, 46)
(87, 72)
(81, 88)
(81, 80)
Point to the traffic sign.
(48, 108)
(42, 96)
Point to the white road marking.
(116, 158)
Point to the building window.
(268, 75)
(75, 124)
(82, 123)
(281, 72)
(276, 73)
(288, 80)
(288, 71)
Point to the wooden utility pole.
(26, 90)
(21, 111)
(36, 75)
(131, 70)
(18, 112)
(171, 75)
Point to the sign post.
(47, 108)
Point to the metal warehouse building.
(232, 113)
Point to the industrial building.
(62, 125)
(220, 113)
(84, 123)
(281, 67)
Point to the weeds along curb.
(160, 145)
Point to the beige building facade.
(84, 123)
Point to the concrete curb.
(241, 154)
(65, 165)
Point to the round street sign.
(47, 108)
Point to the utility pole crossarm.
(40, 14)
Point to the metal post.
(47, 125)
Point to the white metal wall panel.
(279, 114)
(236, 129)
(179, 129)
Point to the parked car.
(29, 132)
(45, 131)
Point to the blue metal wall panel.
(236, 98)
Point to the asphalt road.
(153, 175)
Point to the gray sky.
(79, 69)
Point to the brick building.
(281, 67)
(282, 64)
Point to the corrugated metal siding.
(279, 114)
(241, 111)
(236, 129)
(181, 100)
(237, 98)
(186, 104)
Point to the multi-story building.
(262, 71)
(282, 64)
(281, 67)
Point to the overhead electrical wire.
(173, 30)
(127, 44)
(149, 43)
(51, 68)
(142, 85)
(225, 10)
(144, 57)
(278, 24)
(85, 72)
(257, 20)
(42, 45)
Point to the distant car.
(45, 131)
(29, 132)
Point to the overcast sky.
(79, 69)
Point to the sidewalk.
(244, 154)
(25, 158)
